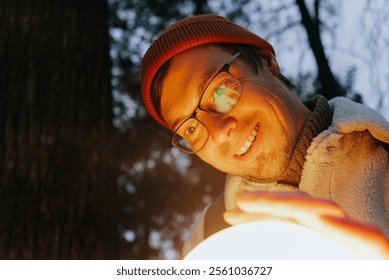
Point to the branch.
(317, 10)
(329, 85)
(282, 30)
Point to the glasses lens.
(221, 94)
(191, 136)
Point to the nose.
(219, 126)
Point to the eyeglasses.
(220, 96)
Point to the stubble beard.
(269, 167)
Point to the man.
(219, 89)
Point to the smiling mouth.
(249, 142)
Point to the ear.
(272, 64)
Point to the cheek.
(255, 104)
(212, 157)
(255, 94)
(269, 105)
(208, 153)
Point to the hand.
(321, 215)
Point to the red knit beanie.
(188, 33)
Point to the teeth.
(248, 142)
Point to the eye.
(221, 94)
(220, 90)
(190, 130)
(225, 96)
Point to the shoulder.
(210, 222)
(349, 116)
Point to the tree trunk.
(57, 183)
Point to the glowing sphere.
(271, 241)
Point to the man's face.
(267, 119)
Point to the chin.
(267, 170)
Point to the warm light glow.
(270, 240)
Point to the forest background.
(85, 173)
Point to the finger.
(237, 216)
(286, 204)
(366, 239)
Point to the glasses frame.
(224, 68)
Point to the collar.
(319, 120)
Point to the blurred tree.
(299, 27)
(57, 176)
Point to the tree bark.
(57, 182)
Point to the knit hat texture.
(188, 33)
